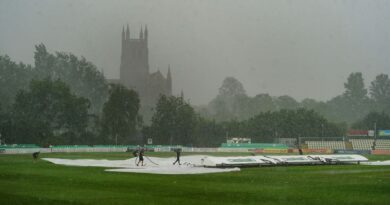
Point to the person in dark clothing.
(177, 156)
(141, 157)
(300, 151)
(35, 155)
(135, 153)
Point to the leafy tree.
(120, 115)
(2, 123)
(230, 100)
(263, 103)
(242, 107)
(338, 109)
(380, 92)
(382, 121)
(354, 87)
(266, 127)
(233, 128)
(380, 88)
(5, 125)
(13, 77)
(353, 104)
(173, 122)
(208, 133)
(262, 127)
(232, 103)
(312, 104)
(48, 113)
(220, 110)
(82, 76)
(290, 123)
(286, 102)
(44, 63)
(231, 87)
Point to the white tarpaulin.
(378, 163)
(281, 160)
(198, 164)
(153, 165)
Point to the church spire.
(169, 72)
(169, 80)
(123, 34)
(123, 40)
(146, 33)
(141, 33)
(127, 32)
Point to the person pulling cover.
(35, 155)
(135, 153)
(177, 156)
(141, 157)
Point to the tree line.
(64, 99)
(176, 122)
(232, 102)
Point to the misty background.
(298, 48)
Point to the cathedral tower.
(134, 68)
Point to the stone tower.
(134, 69)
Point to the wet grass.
(23, 181)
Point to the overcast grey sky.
(302, 48)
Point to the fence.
(69, 149)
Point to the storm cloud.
(301, 48)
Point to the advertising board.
(384, 133)
(352, 151)
(319, 151)
(275, 151)
(380, 152)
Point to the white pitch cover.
(281, 160)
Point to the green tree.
(230, 100)
(120, 115)
(48, 113)
(286, 102)
(220, 110)
(354, 87)
(232, 128)
(242, 107)
(5, 125)
(292, 124)
(353, 104)
(44, 62)
(380, 92)
(173, 122)
(263, 103)
(208, 133)
(2, 124)
(82, 76)
(382, 121)
(13, 77)
(319, 107)
(231, 87)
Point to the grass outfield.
(24, 182)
